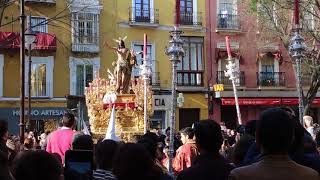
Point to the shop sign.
(40, 112)
(218, 87)
(161, 101)
(36, 113)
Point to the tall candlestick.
(177, 19)
(296, 12)
(145, 42)
(228, 47)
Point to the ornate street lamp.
(296, 50)
(146, 74)
(30, 38)
(175, 52)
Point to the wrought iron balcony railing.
(228, 22)
(41, 1)
(190, 78)
(271, 79)
(155, 79)
(191, 18)
(223, 79)
(143, 15)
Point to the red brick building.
(267, 76)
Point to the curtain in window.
(84, 75)
(38, 80)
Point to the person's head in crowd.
(58, 157)
(30, 134)
(308, 121)
(166, 151)
(168, 131)
(36, 165)
(68, 120)
(208, 136)
(105, 151)
(186, 134)
(250, 128)
(167, 141)
(4, 134)
(133, 161)
(82, 142)
(149, 141)
(136, 138)
(28, 143)
(11, 150)
(159, 131)
(275, 131)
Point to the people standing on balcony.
(224, 19)
(61, 140)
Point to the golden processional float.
(122, 92)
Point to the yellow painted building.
(69, 51)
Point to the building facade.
(266, 78)
(69, 52)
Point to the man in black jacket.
(210, 165)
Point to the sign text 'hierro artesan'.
(44, 112)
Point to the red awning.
(222, 54)
(265, 101)
(44, 41)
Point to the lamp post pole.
(296, 49)
(22, 71)
(175, 52)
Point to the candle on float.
(296, 12)
(177, 18)
(145, 42)
(228, 47)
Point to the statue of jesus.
(121, 65)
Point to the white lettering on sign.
(44, 112)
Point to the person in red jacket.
(186, 153)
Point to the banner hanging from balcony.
(222, 54)
(44, 41)
(277, 55)
(265, 101)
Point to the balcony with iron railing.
(190, 78)
(191, 19)
(223, 79)
(271, 79)
(143, 17)
(41, 1)
(155, 79)
(85, 44)
(228, 22)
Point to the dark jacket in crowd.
(207, 167)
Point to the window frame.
(76, 28)
(151, 10)
(153, 56)
(49, 62)
(29, 22)
(73, 62)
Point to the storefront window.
(158, 120)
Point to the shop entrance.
(229, 116)
(188, 116)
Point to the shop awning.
(265, 101)
(44, 41)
